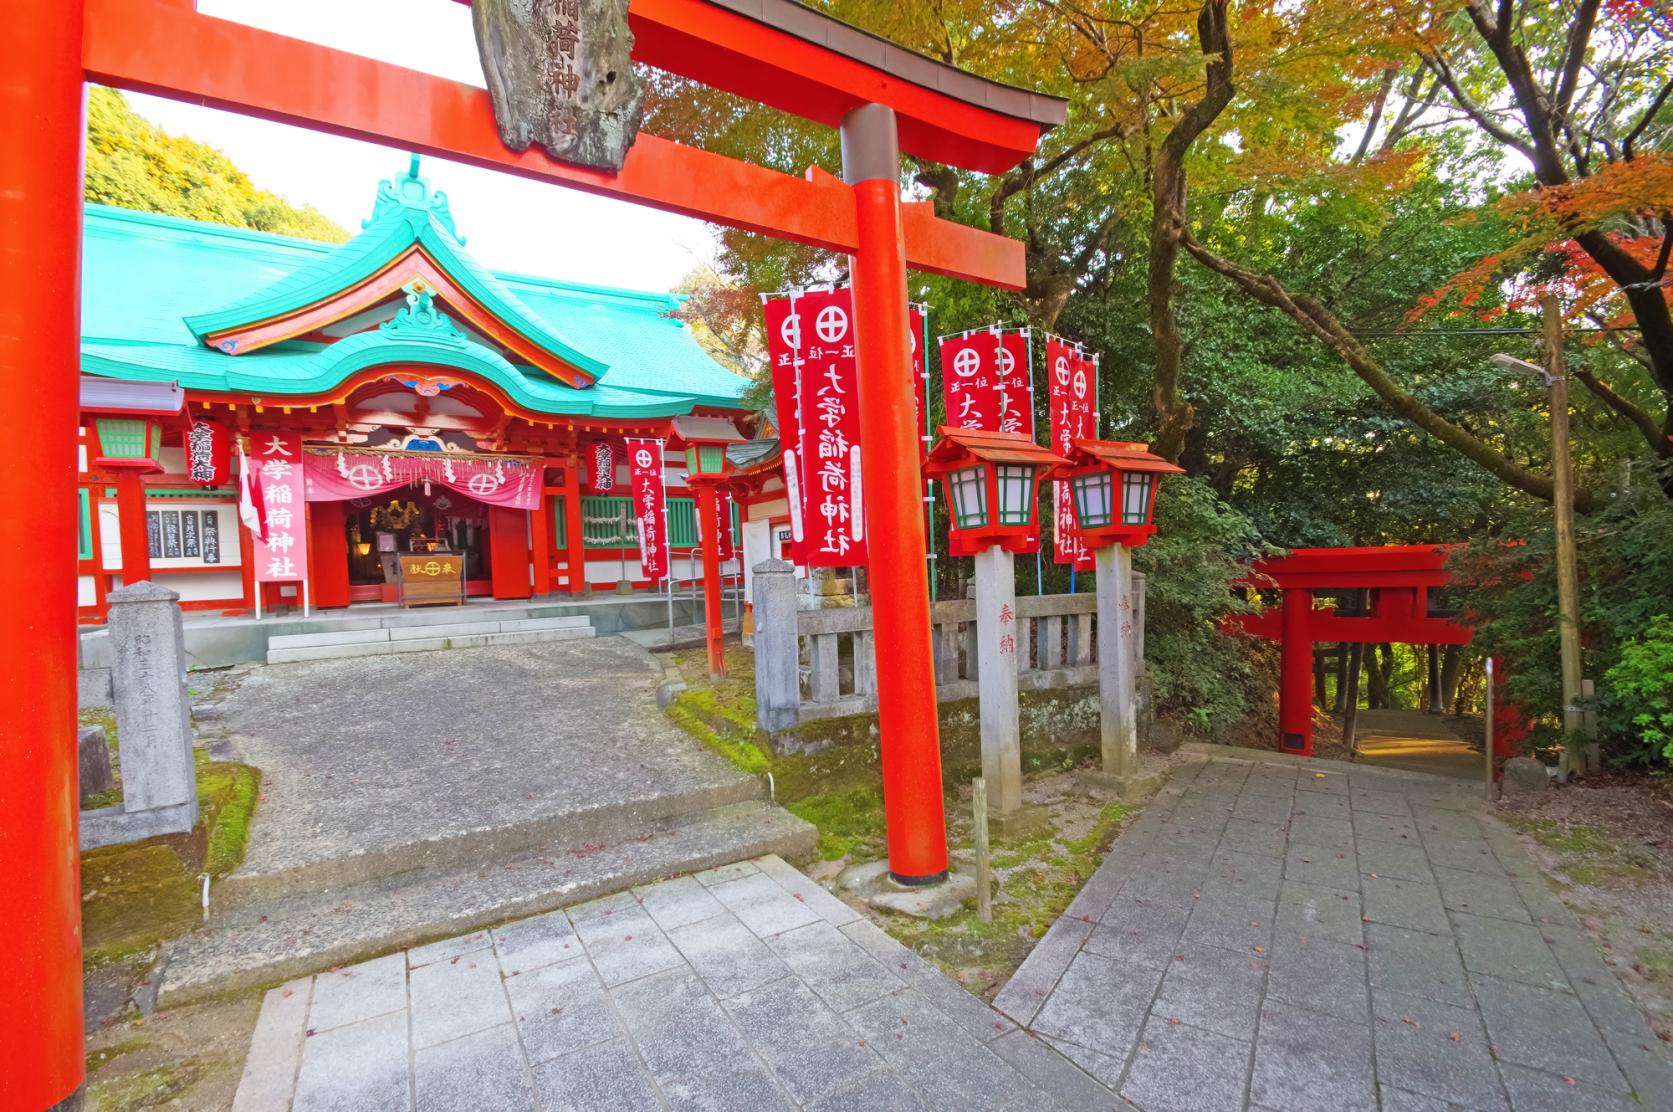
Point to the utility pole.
(1562, 501)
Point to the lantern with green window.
(991, 479)
(1113, 484)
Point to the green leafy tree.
(132, 163)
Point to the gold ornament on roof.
(395, 516)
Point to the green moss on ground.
(159, 1087)
(1586, 854)
(106, 717)
(850, 822)
(137, 895)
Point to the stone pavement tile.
(1645, 1061)
(1206, 816)
(358, 992)
(1435, 822)
(1322, 865)
(358, 1068)
(1162, 879)
(1233, 923)
(950, 1069)
(1537, 1091)
(1099, 1003)
(1380, 802)
(1471, 854)
(879, 1089)
(1222, 772)
(1319, 974)
(1594, 982)
(1326, 780)
(677, 902)
(1405, 903)
(1217, 990)
(889, 953)
(1542, 903)
(728, 957)
(1226, 790)
(691, 1046)
(1308, 1062)
(1321, 831)
(1095, 895)
(1372, 827)
(1402, 862)
(1188, 843)
(479, 1071)
(1416, 963)
(623, 941)
(1064, 1084)
(723, 873)
(1417, 1051)
(1180, 1068)
(457, 997)
(1400, 1100)
(1460, 795)
(1107, 1070)
(1033, 981)
(608, 1077)
(1247, 875)
(1141, 932)
(1480, 894)
(275, 1050)
(1250, 836)
(560, 1009)
(1261, 807)
(1274, 773)
(1322, 805)
(969, 1011)
(805, 1044)
(814, 895)
(1314, 911)
(448, 949)
(531, 943)
(1514, 951)
(833, 965)
(763, 905)
(1546, 1029)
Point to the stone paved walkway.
(1288, 937)
(743, 988)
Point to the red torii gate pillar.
(41, 1034)
(1295, 672)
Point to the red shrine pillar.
(893, 496)
(1295, 684)
(130, 527)
(708, 535)
(41, 1049)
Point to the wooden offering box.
(432, 579)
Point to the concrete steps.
(273, 940)
(423, 633)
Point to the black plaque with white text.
(189, 533)
(171, 534)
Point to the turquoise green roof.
(147, 278)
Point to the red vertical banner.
(970, 379)
(833, 518)
(1072, 400)
(723, 525)
(916, 316)
(783, 321)
(599, 463)
(1016, 384)
(281, 556)
(649, 506)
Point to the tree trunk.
(1432, 687)
(1452, 670)
(1379, 670)
(1341, 677)
(1350, 704)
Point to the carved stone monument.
(153, 721)
(560, 75)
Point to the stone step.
(276, 940)
(390, 630)
(429, 641)
(578, 826)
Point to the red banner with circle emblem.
(644, 459)
(970, 379)
(833, 516)
(1072, 399)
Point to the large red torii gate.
(1399, 579)
(883, 99)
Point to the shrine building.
(437, 406)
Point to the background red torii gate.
(883, 98)
(1399, 579)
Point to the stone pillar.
(778, 695)
(1117, 665)
(996, 655)
(153, 720)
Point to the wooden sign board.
(432, 580)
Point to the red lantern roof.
(957, 446)
(1123, 455)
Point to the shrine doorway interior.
(377, 530)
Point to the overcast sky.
(509, 223)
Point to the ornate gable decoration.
(560, 74)
(421, 318)
(413, 192)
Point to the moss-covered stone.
(160, 1087)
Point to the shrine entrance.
(437, 522)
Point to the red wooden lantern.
(1114, 488)
(208, 452)
(991, 479)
